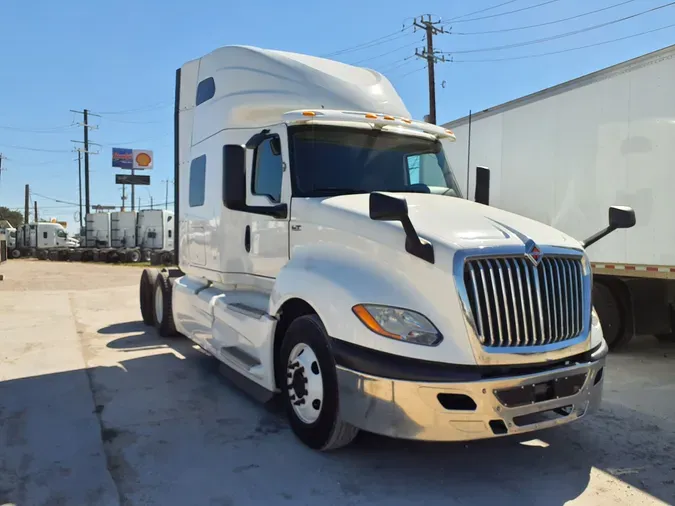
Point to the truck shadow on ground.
(169, 429)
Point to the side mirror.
(387, 208)
(482, 191)
(234, 177)
(619, 217)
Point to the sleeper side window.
(44, 235)
(206, 90)
(268, 169)
(197, 187)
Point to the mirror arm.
(597, 236)
(413, 243)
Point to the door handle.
(247, 238)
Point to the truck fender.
(333, 282)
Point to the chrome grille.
(514, 303)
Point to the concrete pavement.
(96, 409)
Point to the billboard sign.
(129, 179)
(137, 159)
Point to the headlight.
(595, 321)
(400, 324)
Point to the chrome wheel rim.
(159, 304)
(305, 383)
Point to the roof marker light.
(370, 115)
(308, 113)
(390, 118)
(449, 132)
(406, 120)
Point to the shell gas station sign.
(132, 159)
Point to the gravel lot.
(96, 409)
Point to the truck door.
(269, 184)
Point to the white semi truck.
(562, 155)
(328, 256)
(43, 240)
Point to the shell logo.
(143, 160)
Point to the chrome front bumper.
(501, 406)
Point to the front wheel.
(309, 386)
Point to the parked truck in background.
(44, 240)
(10, 235)
(562, 155)
(156, 235)
(328, 255)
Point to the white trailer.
(562, 155)
(97, 230)
(326, 255)
(123, 228)
(156, 234)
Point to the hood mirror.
(619, 217)
(388, 208)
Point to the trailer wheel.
(611, 309)
(163, 307)
(147, 290)
(133, 256)
(310, 386)
(53, 255)
(16, 253)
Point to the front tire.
(309, 386)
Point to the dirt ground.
(97, 409)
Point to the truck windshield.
(328, 160)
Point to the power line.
(365, 45)
(27, 148)
(480, 11)
(409, 45)
(406, 61)
(524, 57)
(54, 130)
(115, 120)
(53, 199)
(157, 105)
(547, 23)
(561, 35)
(505, 13)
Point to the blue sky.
(118, 59)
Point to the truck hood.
(459, 223)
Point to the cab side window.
(268, 169)
(197, 187)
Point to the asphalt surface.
(97, 409)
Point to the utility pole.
(166, 193)
(2, 157)
(151, 203)
(86, 151)
(124, 195)
(139, 200)
(79, 178)
(36, 213)
(26, 205)
(430, 56)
